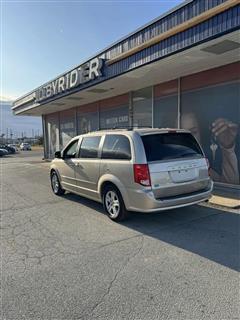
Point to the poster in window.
(212, 115)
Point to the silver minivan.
(143, 170)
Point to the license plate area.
(183, 175)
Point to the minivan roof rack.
(130, 128)
(125, 128)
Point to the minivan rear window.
(174, 145)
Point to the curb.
(225, 202)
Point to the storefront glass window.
(87, 118)
(165, 112)
(114, 112)
(52, 128)
(212, 114)
(67, 126)
(142, 107)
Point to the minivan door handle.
(79, 165)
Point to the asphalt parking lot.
(62, 258)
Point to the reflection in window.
(87, 118)
(67, 126)
(52, 127)
(166, 105)
(114, 118)
(114, 112)
(89, 147)
(116, 147)
(71, 150)
(142, 107)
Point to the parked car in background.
(24, 146)
(144, 170)
(10, 150)
(3, 152)
(13, 146)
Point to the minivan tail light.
(141, 174)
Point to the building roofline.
(141, 28)
(170, 11)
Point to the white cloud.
(7, 99)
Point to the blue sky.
(41, 39)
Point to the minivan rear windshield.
(172, 145)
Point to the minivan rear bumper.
(144, 201)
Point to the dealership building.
(180, 70)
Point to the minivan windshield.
(171, 145)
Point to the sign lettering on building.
(80, 75)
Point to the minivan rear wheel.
(55, 184)
(113, 204)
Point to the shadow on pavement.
(205, 231)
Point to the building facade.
(181, 70)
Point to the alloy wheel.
(112, 203)
(55, 183)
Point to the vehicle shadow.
(208, 232)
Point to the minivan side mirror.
(58, 154)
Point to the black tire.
(116, 212)
(55, 184)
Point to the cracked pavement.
(62, 258)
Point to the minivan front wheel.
(55, 184)
(113, 204)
